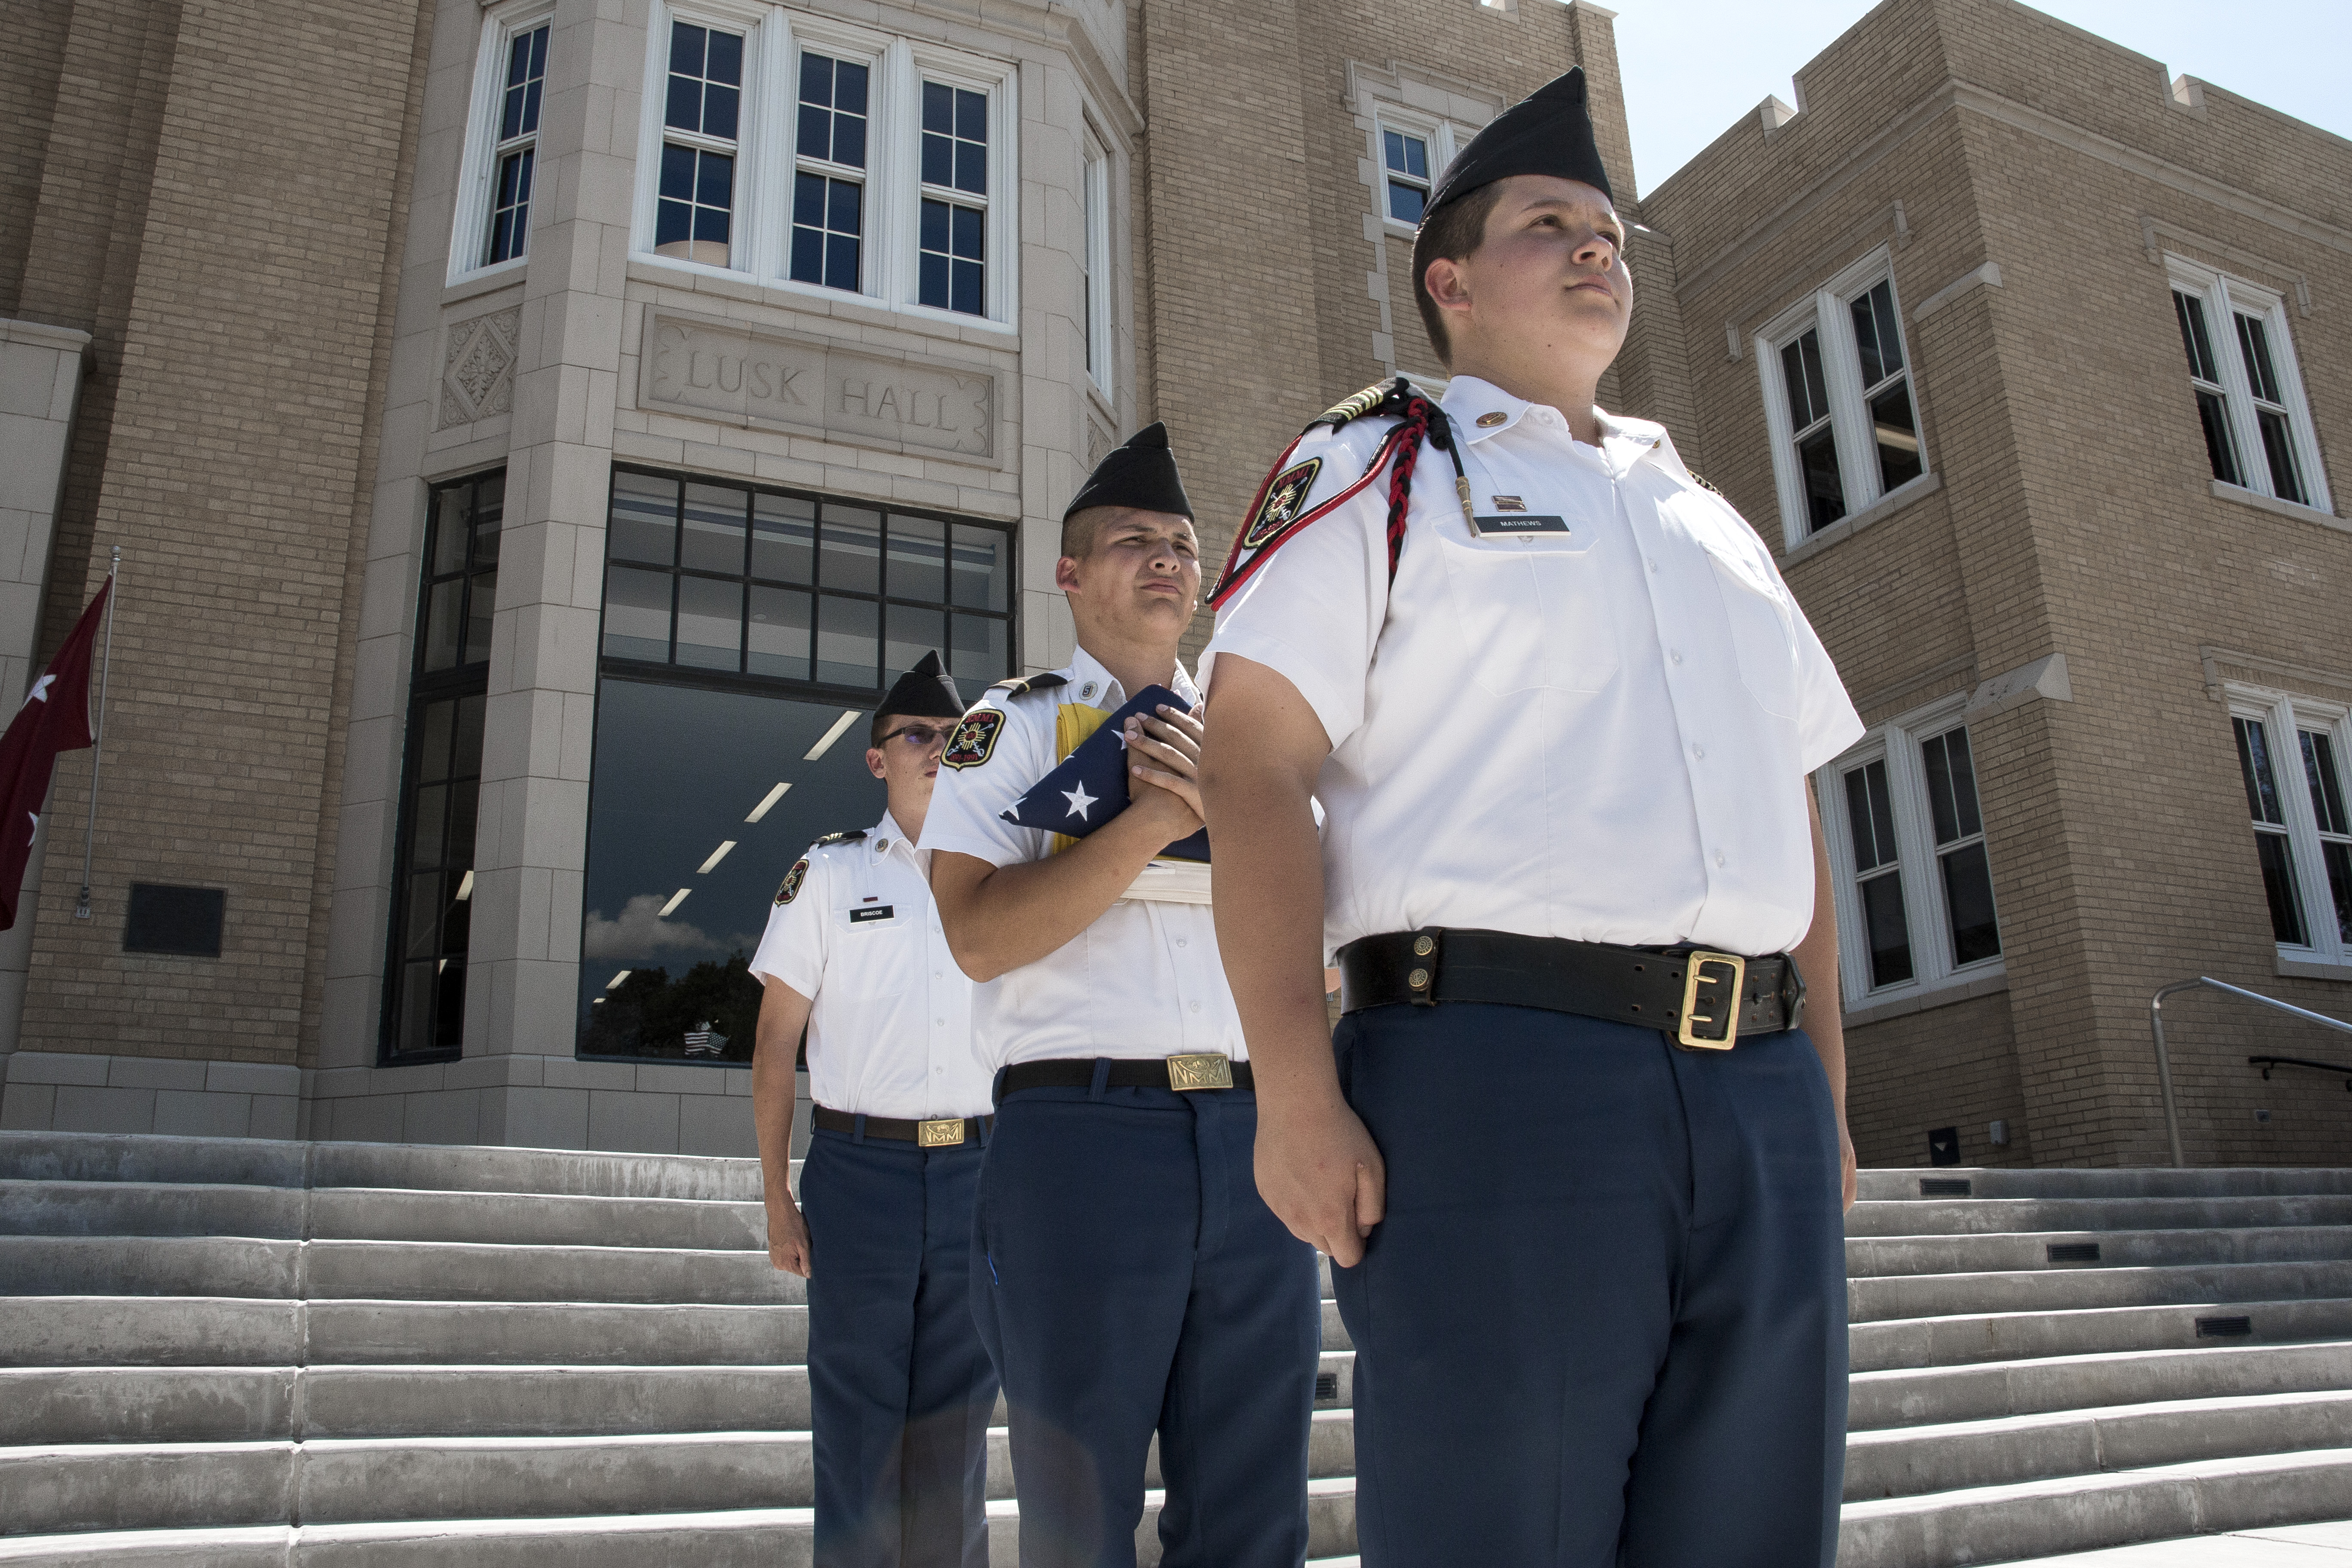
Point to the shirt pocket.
(1763, 635)
(1531, 614)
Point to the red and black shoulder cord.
(1397, 454)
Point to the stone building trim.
(2241, 496)
(1420, 96)
(73, 1092)
(2225, 668)
(1845, 528)
(1987, 276)
(1789, 291)
(2282, 279)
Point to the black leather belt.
(1703, 999)
(944, 1133)
(1182, 1073)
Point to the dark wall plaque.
(184, 922)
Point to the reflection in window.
(680, 771)
(1959, 846)
(517, 148)
(753, 583)
(2205, 381)
(425, 979)
(952, 243)
(1885, 386)
(1405, 158)
(2335, 829)
(829, 184)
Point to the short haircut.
(1451, 233)
(1078, 530)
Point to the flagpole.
(98, 742)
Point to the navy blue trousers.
(900, 1388)
(1603, 1322)
(1129, 1280)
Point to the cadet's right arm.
(783, 1013)
(998, 917)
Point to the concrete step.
(739, 1538)
(1909, 1460)
(1985, 1216)
(2327, 1545)
(1924, 1396)
(2056, 1290)
(2018, 1336)
(378, 1214)
(57, 1489)
(1903, 1185)
(2033, 1519)
(1877, 1258)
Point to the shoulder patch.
(1285, 499)
(790, 889)
(1018, 684)
(974, 740)
(848, 835)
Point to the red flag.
(54, 718)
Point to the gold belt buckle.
(1206, 1071)
(1698, 961)
(945, 1133)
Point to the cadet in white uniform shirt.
(900, 1388)
(1128, 1278)
(1579, 1169)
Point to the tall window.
(492, 224)
(2290, 761)
(425, 975)
(518, 148)
(885, 173)
(1906, 839)
(954, 229)
(1839, 400)
(829, 186)
(747, 634)
(2246, 386)
(1094, 177)
(701, 115)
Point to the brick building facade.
(522, 487)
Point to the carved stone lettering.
(767, 380)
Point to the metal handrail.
(2164, 1063)
(2335, 1069)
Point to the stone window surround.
(1093, 194)
(766, 163)
(2283, 713)
(1897, 740)
(1409, 97)
(477, 180)
(1825, 308)
(2227, 295)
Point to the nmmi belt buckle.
(945, 1133)
(1208, 1070)
(1708, 969)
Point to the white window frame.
(1094, 209)
(1897, 742)
(1829, 309)
(2226, 298)
(478, 168)
(1438, 135)
(767, 158)
(2283, 714)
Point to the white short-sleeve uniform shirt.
(854, 929)
(1601, 731)
(1144, 980)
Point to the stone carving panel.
(773, 381)
(478, 368)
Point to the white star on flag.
(1080, 800)
(40, 692)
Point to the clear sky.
(1693, 67)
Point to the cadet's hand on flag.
(1166, 751)
(788, 1237)
(1323, 1176)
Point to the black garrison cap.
(923, 692)
(1142, 474)
(1548, 132)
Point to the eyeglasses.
(919, 735)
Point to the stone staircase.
(237, 1351)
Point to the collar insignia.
(1509, 503)
(1491, 418)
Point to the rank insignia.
(1284, 499)
(974, 738)
(792, 880)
